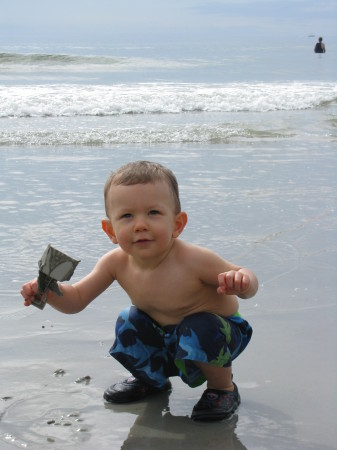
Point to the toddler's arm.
(77, 296)
(69, 303)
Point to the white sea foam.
(165, 98)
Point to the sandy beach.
(273, 212)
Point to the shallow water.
(251, 135)
(270, 206)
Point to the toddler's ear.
(180, 223)
(108, 230)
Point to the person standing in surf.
(320, 46)
(184, 319)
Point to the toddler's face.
(142, 217)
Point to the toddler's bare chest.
(160, 287)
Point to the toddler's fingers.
(245, 282)
(231, 280)
(29, 290)
(27, 302)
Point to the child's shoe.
(130, 390)
(215, 404)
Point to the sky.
(132, 21)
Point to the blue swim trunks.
(153, 353)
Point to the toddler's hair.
(143, 172)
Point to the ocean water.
(251, 134)
(116, 96)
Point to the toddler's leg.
(142, 347)
(217, 377)
(207, 345)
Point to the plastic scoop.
(54, 266)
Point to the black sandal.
(132, 389)
(215, 404)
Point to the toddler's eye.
(126, 216)
(154, 212)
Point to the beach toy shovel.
(54, 266)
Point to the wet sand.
(279, 218)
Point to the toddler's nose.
(140, 224)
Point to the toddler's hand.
(233, 283)
(28, 291)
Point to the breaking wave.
(161, 98)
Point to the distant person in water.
(319, 47)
